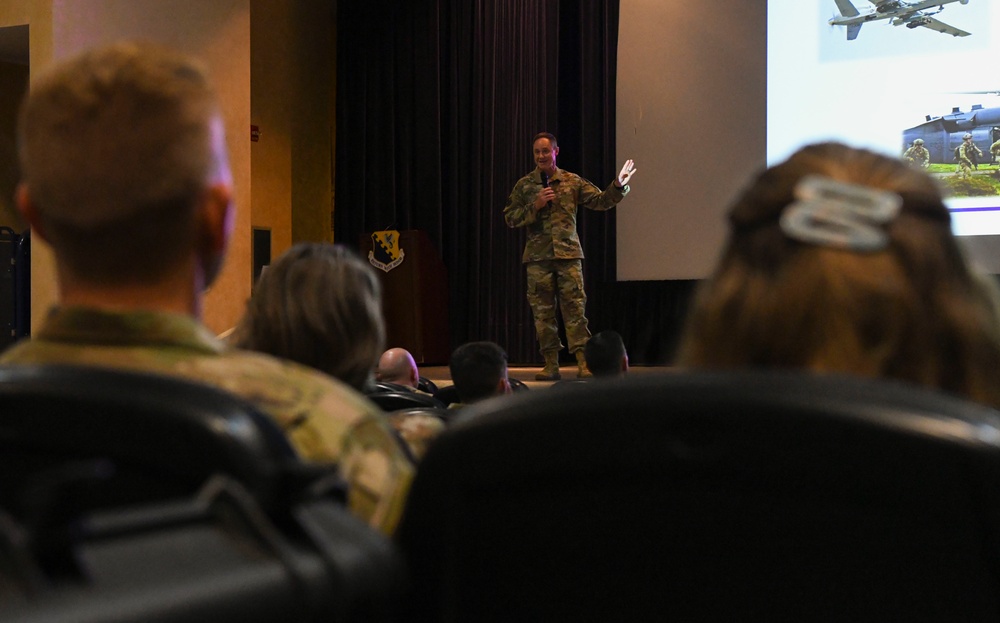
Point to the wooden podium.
(414, 292)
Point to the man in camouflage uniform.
(126, 175)
(995, 152)
(968, 156)
(545, 201)
(917, 155)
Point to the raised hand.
(626, 173)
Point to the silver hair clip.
(841, 215)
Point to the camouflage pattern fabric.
(968, 157)
(918, 155)
(551, 232)
(325, 420)
(418, 430)
(552, 251)
(561, 281)
(995, 150)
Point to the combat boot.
(551, 370)
(583, 372)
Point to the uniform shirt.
(552, 230)
(969, 150)
(918, 153)
(325, 420)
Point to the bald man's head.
(397, 366)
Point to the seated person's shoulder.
(328, 420)
(417, 428)
(277, 381)
(316, 410)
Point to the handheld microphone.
(545, 184)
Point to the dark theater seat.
(394, 401)
(133, 497)
(721, 497)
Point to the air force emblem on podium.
(385, 253)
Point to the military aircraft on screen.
(899, 12)
(942, 134)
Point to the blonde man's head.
(117, 148)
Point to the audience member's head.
(125, 172)
(605, 354)
(479, 371)
(396, 365)
(320, 305)
(843, 260)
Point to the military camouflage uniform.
(418, 430)
(325, 419)
(968, 156)
(918, 155)
(553, 253)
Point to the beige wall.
(312, 124)
(291, 102)
(273, 63)
(219, 33)
(271, 108)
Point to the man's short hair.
(116, 148)
(476, 370)
(548, 135)
(604, 352)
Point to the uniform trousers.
(549, 280)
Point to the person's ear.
(218, 217)
(624, 363)
(216, 220)
(26, 206)
(504, 386)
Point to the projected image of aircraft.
(899, 12)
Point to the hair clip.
(838, 214)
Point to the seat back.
(121, 437)
(426, 385)
(778, 496)
(136, 497)
(447, 395)
(394, 401)
(379, 387)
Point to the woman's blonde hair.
(912, 311)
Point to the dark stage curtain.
(437, 102)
